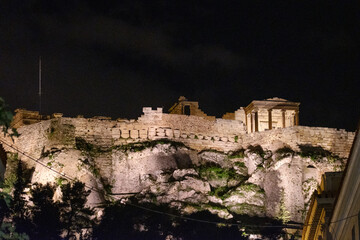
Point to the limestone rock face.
(254, 181)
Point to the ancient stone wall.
(196, 132)
(199, 133)
(334, 140)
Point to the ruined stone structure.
(272, 113)
(243, 128)
(185, 107)
(26, 117)
(259, 115)
(131, 156)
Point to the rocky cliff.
(263, 179)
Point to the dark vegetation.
(237, 154)
(83, 145)
(41, 217)
(49, 219)
(284, 152)
(316, 153)
(44, 218)
(134, 221)
(257, 149)
(5, 120)
(140, 146)
(212, 171)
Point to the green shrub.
(60, 181)
(140, 146)
(316, 153)
(284, 152)
(216, 172)
(83, 145)
(257, 149)
(250, 187)
(240, 164)
(240, 153)
(259, 166)
(283, 214)
(211, 150)
(90, 165)
(221, 192)
(108, 187)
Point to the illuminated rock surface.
(252, 174)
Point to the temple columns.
(252, 117)
(283, 112)
(270, 118)
(296, 118)
(255, 121)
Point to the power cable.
(52, 169)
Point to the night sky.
(111, 58)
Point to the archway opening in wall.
(187, 110)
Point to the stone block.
(152, 132)
(160, 132)
(143, 133)
(169, 132)
(125, 133)
(115, 133)
(224, 139)
(176, 133)
(134, 134)
(184, 135)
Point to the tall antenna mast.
(40, 85)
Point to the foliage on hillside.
(5, 120)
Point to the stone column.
(283, 112)
(248, 123)
(270, 118)
(252, 121)
(256, 121)
(296, 117)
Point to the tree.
(5, 200)
(19, 210)
(123, 221)
(45, 212)
(5, 120)
(7, 229)
(13, 211)
(75, 217)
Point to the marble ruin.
(124, 157)
(262, 122)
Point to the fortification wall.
(332, 139)
(199, 133)
(196, 132)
